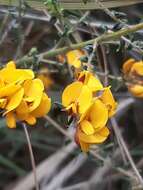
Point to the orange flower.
(133, 74)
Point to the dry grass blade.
(66, 172)
(47, 167)
(76, 4)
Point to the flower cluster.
(22, 97)
(133, 74)
(92, 105)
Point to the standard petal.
(98, 114)
(10, 120)
(90, 80)
(71, 93)
(94, 84)
(84, 100)
(86, 127)
(43, 108)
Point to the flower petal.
(73, 58)
(84, 146)
(138, 68)
(10, 120)
(86, 127)
(15, 100)
(34, 90)
(43, 108)
(136, 90)
(94, 84)
(9, 90)
(104, 132)
(71, 93)
(11, 74)
(97, 137)
(108, 99)
(30, 120)
(11, 65)
(22, 108)
(98, 114)
(127, 65)
(3, 102)
(84, 100)
(90, 80)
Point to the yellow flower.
(77, 97)
(73, 58)
(35, 102)
(91, 109)
(133, 73)
(22, 97)
(91, 129)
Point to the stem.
(31, 156)
(103, 38)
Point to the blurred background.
(31, 28)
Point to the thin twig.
(95, 154)
(103, 38)
(117, 132)
(58, 127)
(31, 156)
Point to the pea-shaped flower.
(91, 129)
(133, 74)
(92, 105)
(22, 97)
